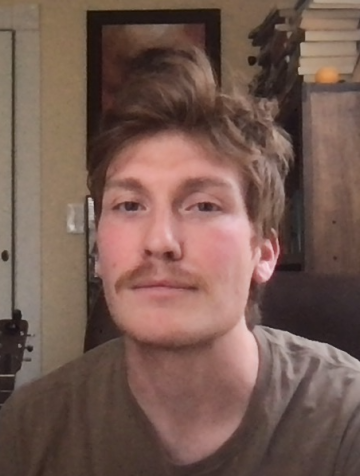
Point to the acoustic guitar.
(13, 333)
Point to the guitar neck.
(7, 386)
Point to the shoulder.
(322, 372)
(78, 377)
(281, 343)
(311, 392)
(57, 411)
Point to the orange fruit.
(327, 74)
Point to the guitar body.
(13, 333)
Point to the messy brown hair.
(175, 89)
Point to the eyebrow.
(130, 184)
(199, 184)
(190, 185)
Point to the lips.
(164, 284)
(162, 290)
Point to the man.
(188, 190)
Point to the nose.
(162, 240)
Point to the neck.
(191, 392)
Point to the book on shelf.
(307, 14)
(298, 34)
(328, 13)
(334, 35)
(327, 5)
(328, 48)
(337, 2)
(310, 65)
(308, 23)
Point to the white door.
(6, 175)
(20, 275)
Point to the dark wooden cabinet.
(331, 177)
(324, 191)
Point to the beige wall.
(63, 126)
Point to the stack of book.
(297, 42)
(331, 35)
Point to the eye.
(207, 207)
(128, 206)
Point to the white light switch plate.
(75, 218)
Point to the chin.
(168, 336)
(173, 342)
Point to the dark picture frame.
(112, 34)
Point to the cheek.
(114, 248)
(226, 247)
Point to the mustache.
(148, 271)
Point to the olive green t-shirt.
(303, 419)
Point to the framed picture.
(114, 36)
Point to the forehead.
(172, 155)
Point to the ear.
(268, 254)
(97, 267)
(95, 254)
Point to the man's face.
(177, 252)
